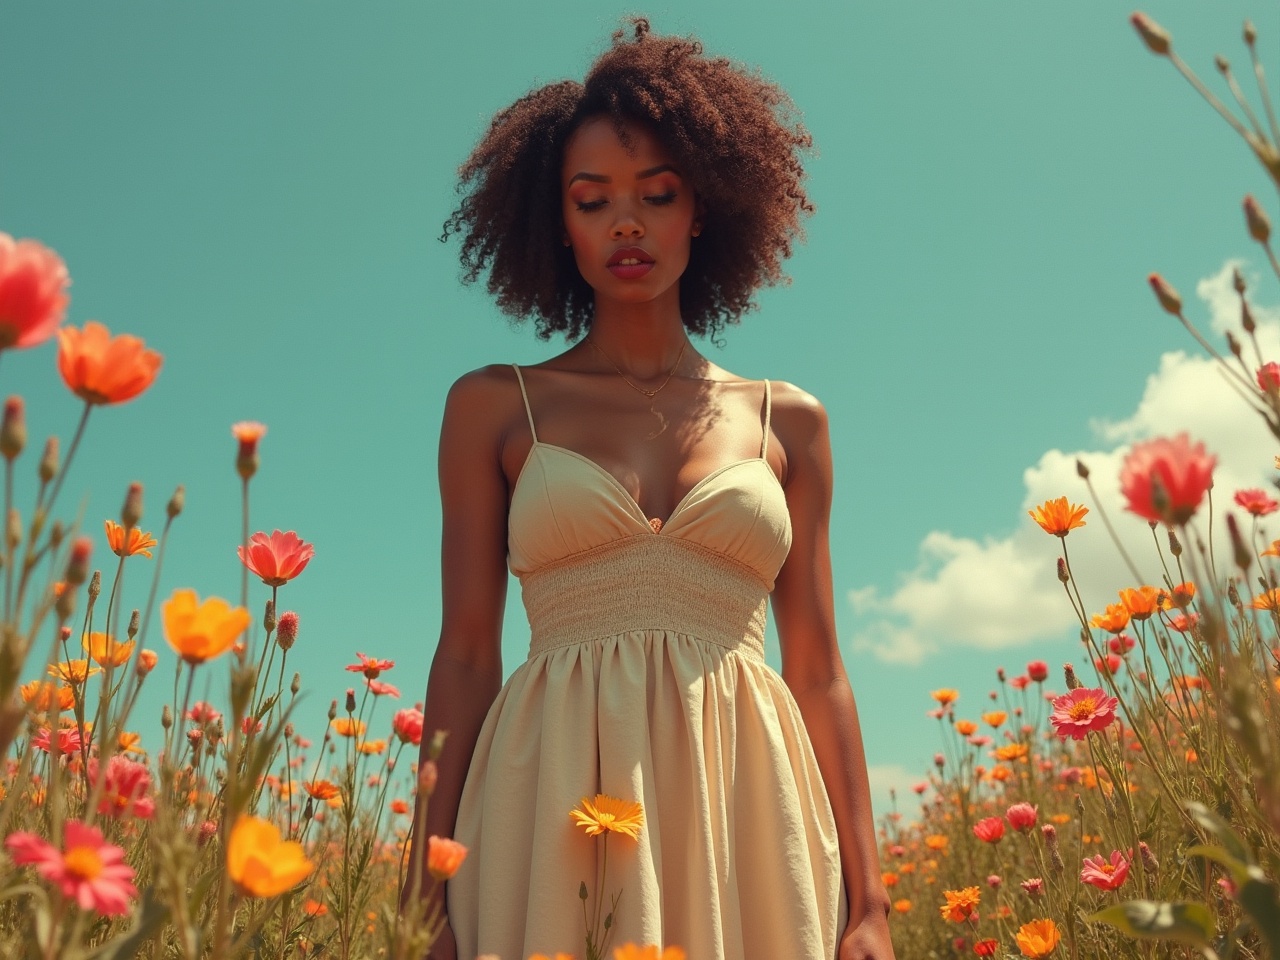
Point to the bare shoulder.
(483, 400)
(799, 418)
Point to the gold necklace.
(648, 393)
(651, 394)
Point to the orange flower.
(945, 696)
(902, 906)
(889, 879)
(1114, 620)
(936, 841)
(33, 292)
(907, 867)
(74, 672)
(1058, 517)
(629, 951)
(369, 747)
(543, 956)
(995, 718)
(260, 863)
(44, 696)
(100, 368)
(1267, 601)
(130, 742)
(960, 904)
(201, 631)
(1274, 549)
(1011, 751)
(347, 727)
(314, 908)
(1182, 595)
(104, 650)
(1060, 818)
(321, 789)
(399, 806)
(1000, 772)
(147, 660)
(136, 543)
(1141, 602)
(1038, 938)
(444, 856)
(609, 814)
(966, 727)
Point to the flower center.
(83, 863)
(1084, 709)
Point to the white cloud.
(1002, 592)
(892, 776)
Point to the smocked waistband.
(646, 582)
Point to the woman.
(650, 503)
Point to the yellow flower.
(609, 814)
(201, 631)
(371, 746)
(104, 651)
(260, 863)
(73, 672)
(347, 727)
(1058, 517)
(1038, 938)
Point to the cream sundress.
(646, 680)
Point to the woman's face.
(627, 215)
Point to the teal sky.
(257, 190)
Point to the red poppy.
(989, 830)
(1165, 480)
(1256, 502)
(277, 558)
(33, 292)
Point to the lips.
(630, 263)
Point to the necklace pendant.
(649, 393)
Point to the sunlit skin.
(615, 198)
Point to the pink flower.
(1019, 682)
(1038, 670)
(89, 870)
(1034, 886)
(1183, 622)
(287, 629)
(979, 740)
(380, 689)
(33, 292)
(994, 881)
(1256, 502)
(68, 740)
(1076, 713)
(1182, 471)
(202, 713)
(1110, 665)
(1103, 874)
(126, 786)
(1121, 643)
(920, 787)
(1021, 816)
(1269, 377)
(370, 666)
(989, 830)
(249, 726)
(278, 558)
(407, 725)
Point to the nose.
(626, 224)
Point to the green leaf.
(1184, 921)
(1215, 825)
(1260, 899)
(1239, 871)
(145, 924)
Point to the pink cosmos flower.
(1103, 874)
(33, 292)
(1182, 470)
(371, 667)
(380, 689)
(1033, 886)
(1084, 709)
(278, 558)
(989, 830)
(1021, 816)
(1019, 682)
(68, 740)
(202, 713)
(1256, 502)
(407, 725)
(89, 870)
(126, 788)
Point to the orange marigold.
(1058, 517)
(609, 814)
(200, 631)
(960, 904)
(1038, 938)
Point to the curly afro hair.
(735, 135)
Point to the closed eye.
(588, 205)
(662, 199)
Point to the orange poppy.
(321, 789)
(1058, 517)
(902, 906)
(1181, 597)
(1114, 620)
(136, 542)
(369, 747)
(348, 726)
(260, 863)
(1141, 602)
(995, 718)
(100, 368)
(444, 856)
(44, 695)
(201, 631)
(104, 650)
(1038, 938)
(74, 672)
(1267, 601)
(1011, 751)
(945, 696)
(966, 727)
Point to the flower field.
(1126, 804)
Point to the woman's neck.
(644, 339)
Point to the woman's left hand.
(867, 939)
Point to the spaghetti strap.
(525, 394)
(768, 409)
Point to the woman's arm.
(466, 672)
(811, 664)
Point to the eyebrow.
(642, 175)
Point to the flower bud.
(1233, 595)
(1256, 220)
(13, 429)
(134, 623)
(1079, 803)
(1069, 674)
(49, 460)
(287, 630)
(1152, 34)
(296, 685)
(1081, 470)
(1000, 674)
(582, 890)
(166, 717)
(1108, 805)
(1250, 33)
(309, 810)
(1175, 545)
(1149, 860)
(131, 512)
(13, 530)
(288, 731)
(333, 710)
(78, 563)
(1063, 573)
(1219, 61)
(269, 617)
(436, 745)
(1234, 346)
(351, 701)
(1166, 294)
(427, 776)
(95, 585)
(247, 433)
(217, 731)
(176, 502)
(1239, 550)
(64, 634)
(56, 534)
(147, 660)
